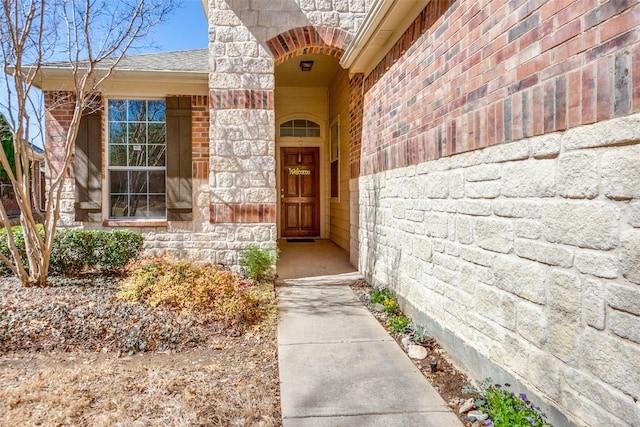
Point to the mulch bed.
(74, 353)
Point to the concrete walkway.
(338, 365)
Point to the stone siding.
(246, 42)
(534, 262)
(498, 187)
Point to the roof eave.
(383, 26)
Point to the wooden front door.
(300, 192)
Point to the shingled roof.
(189, 61)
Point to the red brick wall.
(200, 136)
(299, 41)
(59, 107)
(355, 123)
(468, 74)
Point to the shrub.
(256, 263)
(19, 241)
(77, 250)
(204, 289)
(107, 251)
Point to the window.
(300, 128)
(335, 155)
(137, 158)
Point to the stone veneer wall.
(246, 42)
(500, 195)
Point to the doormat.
(299, 240)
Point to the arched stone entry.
(320, 96)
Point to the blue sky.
(185, 29)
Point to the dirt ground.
(59, 366)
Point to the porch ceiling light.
(306, 65)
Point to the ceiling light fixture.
(306, 65)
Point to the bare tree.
(93, 35)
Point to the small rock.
(478, 415)
(417, 351)
(467, 405)
(406, 342)
(477, 424)
(379, 308)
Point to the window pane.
(300, 132)
(137, 133)
(300, 123)
(286, 132)
(157, 207)
(157, 133)
(137, 155)
(119, 182)
(313, 132)
(156, 111)
(137, 111)
(156, 182)
(117, 133)
(117, 206)
(118, 155)
(138, 182)
(312, 125)
(117, 110)
(137, 205)
(157, 155)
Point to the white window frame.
(110, 168)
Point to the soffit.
(383, 26)
(325, 68)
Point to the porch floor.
(338, 366)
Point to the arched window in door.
(300, 128)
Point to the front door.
(300, 192)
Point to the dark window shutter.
(179, 196)
(88, 168)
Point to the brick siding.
(200, 136)
(243, 213)
(303, 40)
(59, 108)
(466, 75)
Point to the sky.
(185, 29)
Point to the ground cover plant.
(78, 352)
(505, 408)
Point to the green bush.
(19, 241)
(256, 263)
(75, 251)
(105, 250)
(202, 289)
